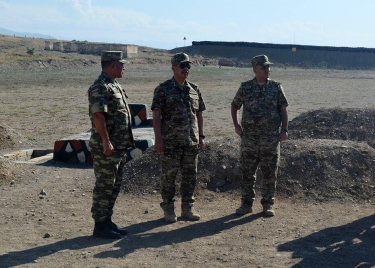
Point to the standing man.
(264, 110)
(178, 125)
(111, 136)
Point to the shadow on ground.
(349, 245)
(139, 237)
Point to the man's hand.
(238, 129)
(101, 127)
(201, 144)
(159, 142)
(283, 135)
(107, 147)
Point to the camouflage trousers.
(263, 153)
(185, 160)
(108, 173)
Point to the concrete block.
(75, 148)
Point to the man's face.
(262, 73)
(119, 69)
(181, 71)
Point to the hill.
(237, 54)
(4, 31)
(13, 52)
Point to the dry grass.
(46, 93)
(55, 98)
(14, 49)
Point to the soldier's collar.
(179, 85)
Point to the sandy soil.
(55, 231)
(324, 206)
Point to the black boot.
(112, 226)
(102, 230)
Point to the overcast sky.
(164, 24)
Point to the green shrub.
(30, 51)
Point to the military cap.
(113, 56)
(180, 58)
(260, 60)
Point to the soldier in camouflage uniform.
(264, 111)
(111, 135)
(178, 125)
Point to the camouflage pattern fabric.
(178, 106)
(108, 173)
(113, 56)
(107, 96)
(180, 58)
(174, 159)
(262, 152)
(261, 107)
(260, 60)
(260, 147)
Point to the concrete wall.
(285, 55)
(57, 46)
(48, 45)
(69, 47)
(130, 51)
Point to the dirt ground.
(324, 203)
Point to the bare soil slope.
(328, 157)
(335, 124)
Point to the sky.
(169, 24)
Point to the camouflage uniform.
(107, 96)
(179, 126)
(261, 120)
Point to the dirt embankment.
(328, 157)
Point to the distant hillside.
(12, 44)
(4, 31)
(13, 50)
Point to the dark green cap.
(260, 60)
(113, 56)
(180, 58)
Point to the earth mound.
(6, 140)
(328, 157)
(7, 170)
(218, 168)
(10, 139)
(335, 124)
(324, 170)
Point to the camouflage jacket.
(178, 106)
(261, 107)
(108, 97)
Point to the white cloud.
(4, 5)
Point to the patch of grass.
(60, 92)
